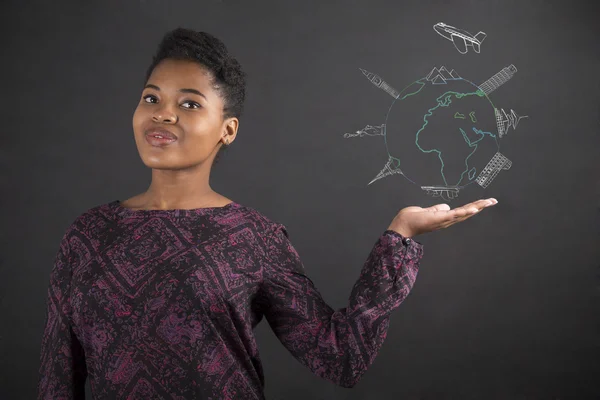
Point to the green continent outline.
(395, 161)
(445, 100)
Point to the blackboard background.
(506, 305)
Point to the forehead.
(172, 75)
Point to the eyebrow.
(185, 90)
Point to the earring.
(227, 142)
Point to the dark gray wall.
(505, 305)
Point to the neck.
(185, 188)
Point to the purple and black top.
(153, 304)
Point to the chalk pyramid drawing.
(441, 75)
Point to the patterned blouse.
(161, 304)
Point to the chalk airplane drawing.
(462, 39)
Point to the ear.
(230, 128)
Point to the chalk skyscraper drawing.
(380, 83)
(505, 121)
(493, 168)
(497, 80)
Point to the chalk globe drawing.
(442, 132)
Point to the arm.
(336, 345)
(62, 371)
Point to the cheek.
(139, 116)
(136, 117)
(201, 127)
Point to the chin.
(169, 163)
(158, 161)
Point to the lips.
(161, 133)
(160, 137)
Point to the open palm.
(412, 221)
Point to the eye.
(152, 99)
(193, 106)
(148, 97)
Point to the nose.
(165, 115)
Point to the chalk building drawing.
(446, 193)
(441, 76)
(446, 128)
(368, 130)
(496, 164)
(380, 83)
(462, 39)
(390, 168)
(504, 120)
(498, 80)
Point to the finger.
(478, 205)
(458, 216)
(487, 202)
(468, 210)
(461, 213)
(445, 218)
(438, 207)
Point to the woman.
(157, 296)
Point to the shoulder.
(273, 238)
(94, 215)
(88, 222)
(258, 220)
(75, 242)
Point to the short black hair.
(211, 53)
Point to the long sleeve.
(62, 371)
(336, 345)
